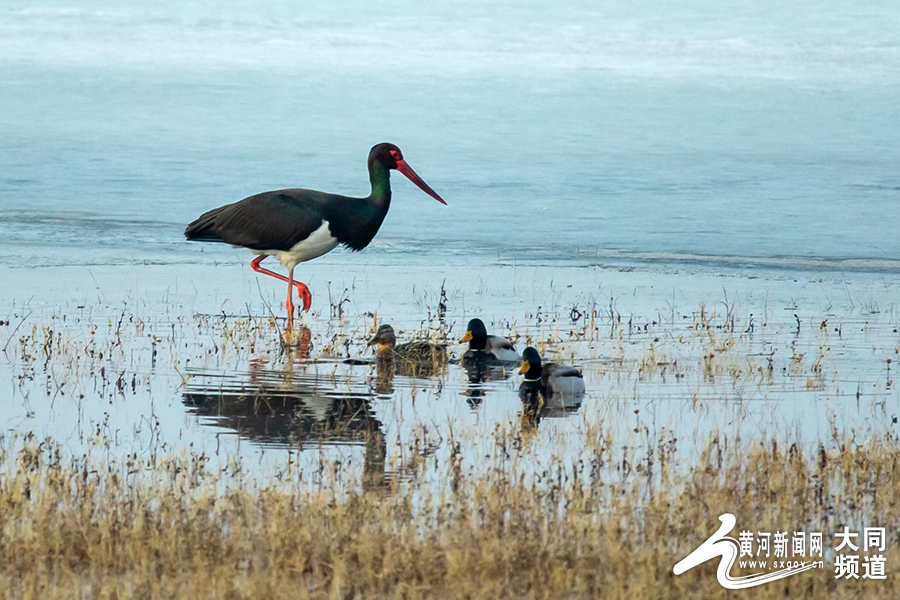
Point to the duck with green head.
(549, 378)
(482, 345)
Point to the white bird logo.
(720, 544)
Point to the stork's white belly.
(318, 243)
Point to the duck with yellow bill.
(549, 378)
(482, 345)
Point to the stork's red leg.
(290, 300)
(302, 290)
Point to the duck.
(416, 356)
(481, 344)
(549, 378)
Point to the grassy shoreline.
(69, 529)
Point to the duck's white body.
(563, 380)
(501, 348)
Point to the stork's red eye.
(396, 155)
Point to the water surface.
(696, 204)
(670, 134)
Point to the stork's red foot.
(304, 295)
(302, 290)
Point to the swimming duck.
(492, 346)
(417, 355)
(549, 378)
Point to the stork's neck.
(380, 177)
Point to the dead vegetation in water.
(176, 527)
(713, 343)
(610, 519)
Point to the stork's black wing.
(268, 221)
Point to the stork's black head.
(476, 335)
(531, 364)
(389, 156)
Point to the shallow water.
(705, 185)
(156, 360)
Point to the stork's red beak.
(412, 176)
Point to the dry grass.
(174, 529)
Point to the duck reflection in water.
(481, 369)
(288, 410)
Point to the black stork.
(298, 225)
